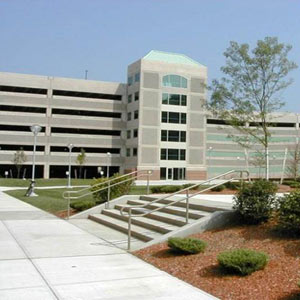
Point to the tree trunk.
(267, 162)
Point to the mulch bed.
(277, 281)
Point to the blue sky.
(64, 37)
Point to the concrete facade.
(154, 121)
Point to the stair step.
(183, 204)
(152, 224)
(136, 231)
(179, 211)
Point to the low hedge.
(166, 189)
(232, 185)
(242, 261)
(82, 204)
(186, 245)
(218, 188)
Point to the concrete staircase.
(155, 225)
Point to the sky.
(64, 38)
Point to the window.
(173, 136)
(129, 116)
(136, 114)
(164, 135)
(137, 77)
(136, 96)
(128, 134)
(172, 154)
(163, 154)
(182, 154)
(174, 99)
(129, 98)
(164, 117)
(128, 152)
(173, 117)
(135, 133)
(163, 173)
(175, 81)
(130, 80)
(182, 136)
(134, 151)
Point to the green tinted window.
(175, 81)
(173, 136)
(165, 98)
(173, 117)
(182, 136)
(183, 100)
(183, 118)
(173, 154)
(164, 117)
(164, 134)
(163, 154)
(174, 99)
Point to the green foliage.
(115, 191)
(289, 213)
(82, 204)
(81, 160)
(232, 185)
(295, 185)
(166, 189)
(184, 186)
(254, 201)
(218, 188)
(186, 245)
(18, 160)
(244, 95)
(242, 261)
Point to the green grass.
(43, 182)
(50, 200)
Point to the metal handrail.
(188, 196)
(138, 174)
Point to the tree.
(293, 165)
(81, 160)
(19, 159)
(249, 91)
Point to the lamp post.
(35, 129)
(108, 156)
(70, 146)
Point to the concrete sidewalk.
(43, 257)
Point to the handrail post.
(108, 195)
(129, 229)
(187, 207)
(148, 184)
(68, 214)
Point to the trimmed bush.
(165, 189)
(184, 186)
(186, 245)
(115, 191)
(82, 204)
(242, 261)
(232, 185)
(289, 212)
(255, 201)
(295, 185)
(218, 188)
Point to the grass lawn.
(43, 182)
(50, 200)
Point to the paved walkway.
(43, 257)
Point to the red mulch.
(277, 281)
(64, 213)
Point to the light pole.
(108, 157)
(274, 164)
(35, 129)
(70, 146)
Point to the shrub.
(115, 191)
(295, 185)
(184, 186)
(165, 189)
(218, 188)
(289, 212)
(186, 245)
(254, 201)
(232, 185)
(242, 261)
(82, 204)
